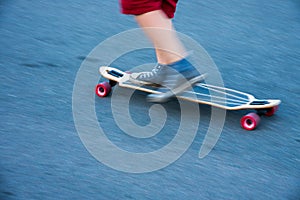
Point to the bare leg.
(158, 27)
(178, 74)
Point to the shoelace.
(153, 72)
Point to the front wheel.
(271, 111)
(250, 121)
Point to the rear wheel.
(250, 121)
(102, 89)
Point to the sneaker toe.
(134, 75)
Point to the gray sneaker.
(155, 76)
(175, 83)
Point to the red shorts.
(138, 7)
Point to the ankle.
(182, 65)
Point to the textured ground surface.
(256, 46)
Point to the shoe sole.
(166, 96)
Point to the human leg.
(159, 29)
(173, 70)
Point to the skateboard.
(202, 93)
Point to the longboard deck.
(202, 93)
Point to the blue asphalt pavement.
(256, 46)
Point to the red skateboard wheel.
(103, 89)
(271, 111)
(250, 121)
